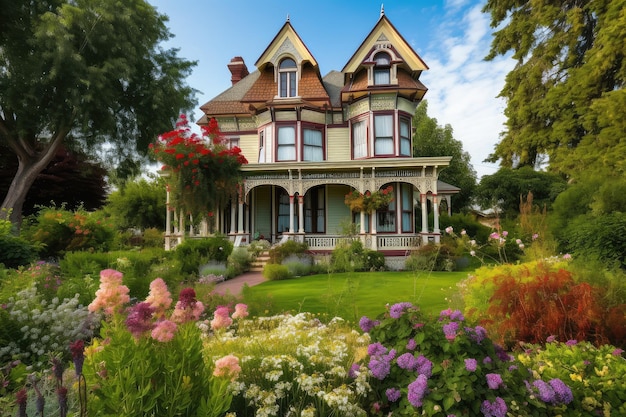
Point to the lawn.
(352, 295)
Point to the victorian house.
(310, 140)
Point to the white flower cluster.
(44, 328)
(298, 366)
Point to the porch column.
(436, 218)
(240, 219)
(291, 212)
(362, 231)
(233, 218)
(374, 218)
(301, 214)
(168, 220)
(424, 218)
(181, 226)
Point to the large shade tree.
(430, 139)
(565, 97)
(90, 74)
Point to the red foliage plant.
(551, 303)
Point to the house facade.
(311, 140)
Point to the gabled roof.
(382, 32)
(286, 40)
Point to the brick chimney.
(237, 69)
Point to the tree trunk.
(30, 165)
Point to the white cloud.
(463, 87)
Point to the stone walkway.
(235, 285)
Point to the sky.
(451, 36)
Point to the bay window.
(383, 132)
(405, 137)
(286, 143)
(359, 140)
(313, 145)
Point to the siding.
(336, 209)
(338, 140)
(249, 145)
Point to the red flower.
(180, 156)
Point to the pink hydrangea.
(164, 331)
(241, 311)
(187, 308)
(159, 297)
(221, 318)
(111, 295)
(228, 366)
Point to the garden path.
(235, 285)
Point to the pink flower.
(164, 331)
(221, 318)
(111, 295)
(159, 297)
(567, 256)
(241, 311)
(535, 236)
(495, 236)
(187, 308)
(228, 366)
(449, 230)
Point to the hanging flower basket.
(368, 202)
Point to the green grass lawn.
(352, 295)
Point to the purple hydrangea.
(393, 394)
(571, 342)
(396, 310)
(424, 366)
(544, 391)
(407, 361)
(366, 324)
(411, 344)
(497, 408)
(417, 390)
(354, 371)
(471, 364)
(562, 393)
(494, 381)
(477, 334)
(450, 330)
(376, 349)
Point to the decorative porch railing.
(385, 242)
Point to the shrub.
(153, 238)
(298, 265)
(442, 366)
(431, 257)
(601, 238)
(373, 260)
(16, 252)
(279, 252)
(60, 231)
(193, 253)
(306, 373)
(239, 261)
(275, 272)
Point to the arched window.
(287, 71)
(382, 69)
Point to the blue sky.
(451, 36)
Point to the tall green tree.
(430, 139)
(85, 73)
(139, 204)
(565, 97)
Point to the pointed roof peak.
(287, 17)
(382, 10)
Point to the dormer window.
(287, 71)
(382, 69)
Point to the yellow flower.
(576, 377)
(603, 372)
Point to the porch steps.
(259, 263)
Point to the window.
(282, 223)
(405, 137)
(382, 69)
(406, 200)
(313, 145)
(315, 211)
(359, 140)
(261, 147)
(286, 143)
(287, 71)
(356, 219)
(231, 142)
(383, 132)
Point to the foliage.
(430, 139)
(443, 366)
(36, 328)
(201, 172)
(139, 204)
(565, 95)
(602, 238)
(239, 261)
(467, 222)
(307, 373)
(57, 56)
(150, 359)
(534, 300)
(193, 253)
(59, 231)
(16, 252)
(349, 255)
(505, 189)
(276, 272)
(591, 372)
(499, 248)
(278, 253)
(369, 201)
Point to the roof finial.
(382, 10)
(287, 17)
